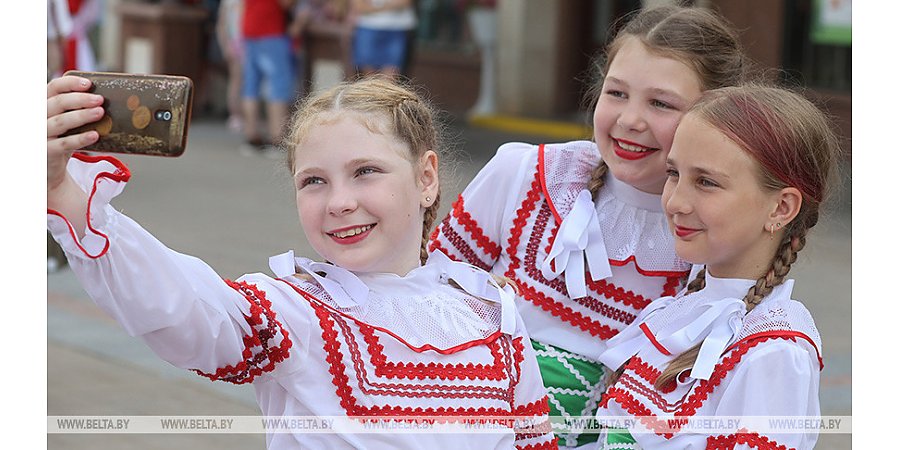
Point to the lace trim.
(261, 351)
(389, 369)
(579, 170)
(745, 437)
(420, 349)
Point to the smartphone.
(144, 114)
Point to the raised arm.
(69, 106)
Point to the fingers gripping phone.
(144, 114)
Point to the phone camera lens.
(163, 115)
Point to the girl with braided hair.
(578, 226)
(381, 333)
(747, 173)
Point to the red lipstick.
(628, 154)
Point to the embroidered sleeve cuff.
(102, 178)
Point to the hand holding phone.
(144, 114)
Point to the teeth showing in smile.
(633, 148)
(352, 231)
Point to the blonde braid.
(427, 224)
(596, 182)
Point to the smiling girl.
(747, 172)
(380, 332)
(578, 226)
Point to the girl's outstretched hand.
(68, 107)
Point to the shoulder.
(782, 322)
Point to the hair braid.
(428, 222)
(597, 179)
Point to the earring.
(427, 199)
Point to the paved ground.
(235, 212)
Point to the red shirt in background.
(263, 18)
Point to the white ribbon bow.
(579, 237)
(341, 285)
(630, 340)
(478, 283)
(716, 325)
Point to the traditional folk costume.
(760, 364)
(331, 343)
(529, 216)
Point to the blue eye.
(671, 173)
(311, 180)
(661, 104)
(615, 93)
(366, 170)
(706, 182)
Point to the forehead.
(348, 135)
(699, 144)
(640, 67)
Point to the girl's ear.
(427, 178)
(787, 205)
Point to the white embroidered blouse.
(335, 344)
(527, 215)
(755, 365)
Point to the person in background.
(382, 35)
(268, 61)
(79, 55)
(228, 35)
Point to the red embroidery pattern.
(743, 436)
(672, 285)
(261, 349)
(549, 445)
(388, 369)
(547, 303)
(681, 409)
(458, 242)
(328, 320)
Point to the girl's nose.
(632, 118)
(341, 202)
(674, 199)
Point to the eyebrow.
(356, 162)
(701, 170)
(656, 91)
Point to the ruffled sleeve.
(778, 379)
(472, 231)
(176, 303)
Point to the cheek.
(665, 132)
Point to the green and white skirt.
(574, 386)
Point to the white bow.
(478, 283)
(716, 326)
(630, 340)
(579, 237)
(341, 285)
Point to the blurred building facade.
(543, 49)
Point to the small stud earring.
(427, 199)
